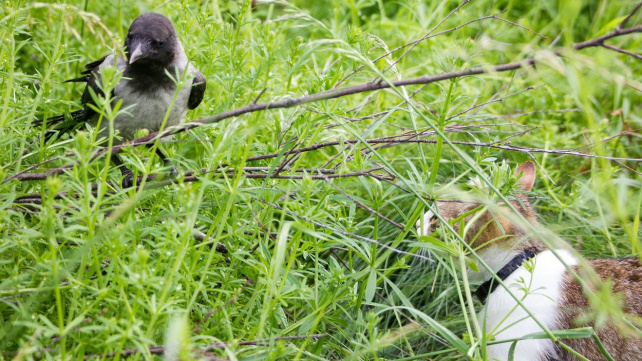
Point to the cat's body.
(541, 281)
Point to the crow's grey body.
(147, 106)
(153, 50)
(147, 93)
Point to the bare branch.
(611, 47)
(337, 93)
(494, 101)
(259, 96)
(321, 174)
(341, 232)
(615, 33)
(326, 173)
(200, 236)
(628, 17)
(159, 350)
(520, 26)
(363, 206)
(413, 44)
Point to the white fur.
(539, 291)
(495, 257)
(147, 110)
(426, 224)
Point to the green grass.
(105, 270)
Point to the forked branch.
(362, 88)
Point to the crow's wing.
(65, 123)
(198, 90)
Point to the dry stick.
(36, 198)
(416, 42)
(344, 233)
(408, 141)
(38, 165)
(516, 115)
(494, 101)
(211, 313)
(337, 93)
(552, 44)
(384, 113)
(265, 341)
(629, 168)
(474, 20)
(158, 350)
(368, 172)
(590, 145)
(250, 173)
(610, 47)
(259, 96)
(430, 131)
(391, 141)
(223, 169)
(265, 229)
(484, 128)
(366, 150)
(508, 147)
(208, 355)
(516, 134)
(334, 253)
(362, 205)
(200, 236)
(520, 26)
(286, 160)
(413, 44)
(628, 17)
(353, 120)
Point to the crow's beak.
(139, 52)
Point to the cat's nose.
(427, 220)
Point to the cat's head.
(485, 225)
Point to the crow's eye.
(159, 43)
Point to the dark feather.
(198, 91)
(89, 71)
(62, 123)
(94, 65)
(67, 122)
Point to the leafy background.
(106, 271)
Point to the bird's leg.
(128, 175)
(173, 170)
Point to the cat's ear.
(527, 178)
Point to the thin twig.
(325, 174)
(494, 101)
(265, 341)
(628, 17)
(337, 93)
(259, 96)
(159, 350)
(622, 51)
(200, 236)
(520, 26)
(341, 232)
(386, 140)
(363, 206)
(416, 42)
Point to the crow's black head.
(151, 41)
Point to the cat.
(540, 280)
